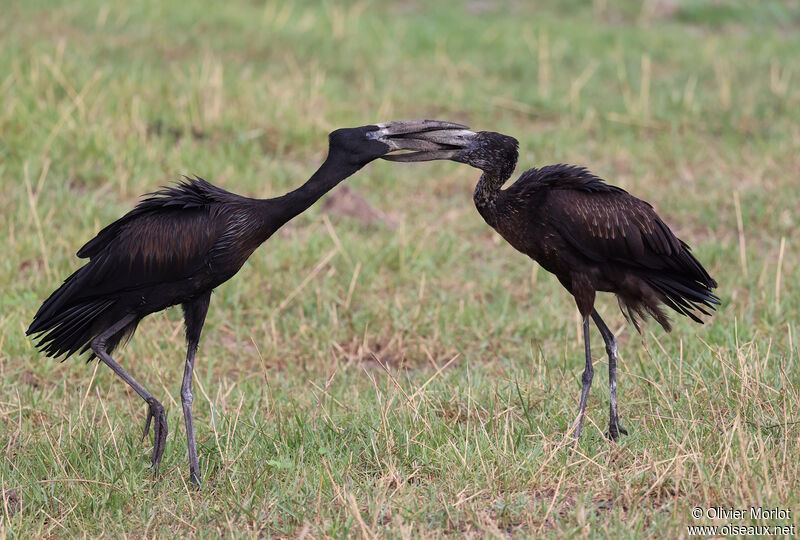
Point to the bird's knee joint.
(588, 374)
(611, 347)
(186, 396)
(98, 346)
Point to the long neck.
(281, 210)
(486, 195)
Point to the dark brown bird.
(175, 247)
(591, 235)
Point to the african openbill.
(175, 247)
(593, 236)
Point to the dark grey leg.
(588, 374)
(156, 410)
(194, 315)
(614, 429)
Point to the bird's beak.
(426, 140)
(430, 145)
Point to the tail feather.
(695, 269)
(66, 321)
(682, 307)
(693, 292)
(49, 308)
(688, 297)
(68, 325)
(75, 329)
(71, 329)
(685, 287)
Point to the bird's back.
(579, 227)
(158, 254)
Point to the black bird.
(593, 236)
(175, 247)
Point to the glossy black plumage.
(175, 244)
(597, 237)
(175, 247)
(593, 236)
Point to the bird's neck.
(487, 193)
(281, 210)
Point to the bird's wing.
(191, 193)
(612, 226)
(615, 227)
(151, 248)
(605, 223)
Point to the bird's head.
(358, 146)
(493, 153)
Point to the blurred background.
(386, 362)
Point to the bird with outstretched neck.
(593, 236)
(175, 247)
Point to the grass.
(410, 376)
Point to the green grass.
(415, 376)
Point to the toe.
(147, 425)
(159, 435)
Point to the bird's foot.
(615, 430)
(156, 412)
(194, 479)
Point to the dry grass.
(386, 366)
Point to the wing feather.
(151, 249)
(612, 226)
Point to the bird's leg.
(155, 409)
(194, 314)
(186, 402)
(614, 429)
(586, 379)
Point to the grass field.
(398, 370)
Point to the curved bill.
(410, 157)
(403, 127)
(424, 139)
(430, 145)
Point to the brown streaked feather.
(154, 242)
(585, 227)
(152, 249)
(190, 194)
(613, 227)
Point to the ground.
(386, 366)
